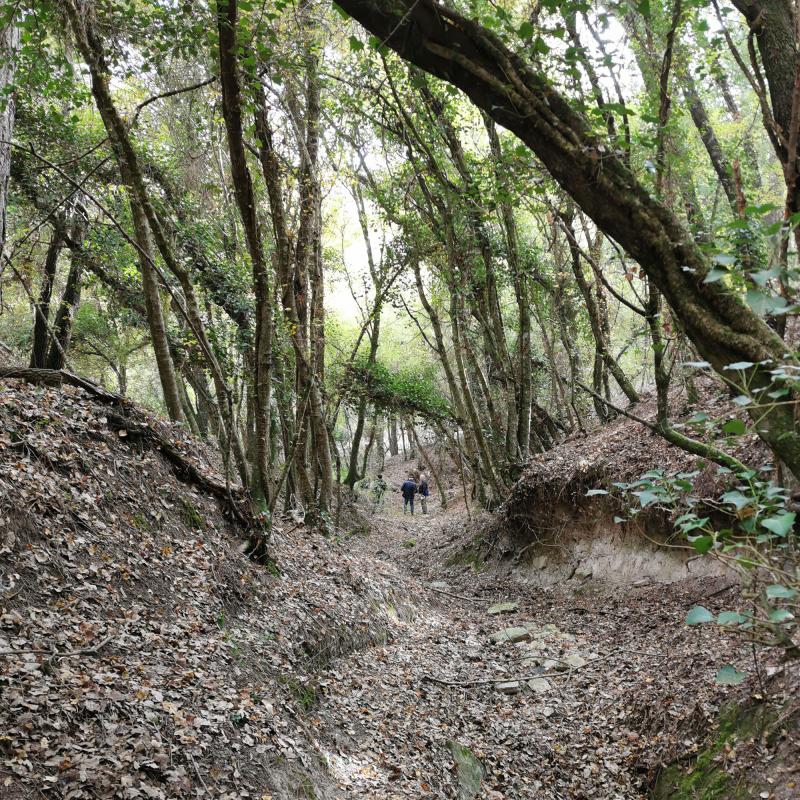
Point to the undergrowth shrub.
(750, 528)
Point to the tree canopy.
(288, 224)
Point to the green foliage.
(191, 516)
(304, 693)
(411, 390)
(704, 778)
(745, 254)
(750, 529)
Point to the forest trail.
(140, 645)
(549, 251)
(572, 701)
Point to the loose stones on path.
(502, 608)
(513, 635)
(525, 632)
(540, 685)
(532, 639)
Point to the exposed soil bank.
(584, 541)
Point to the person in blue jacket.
(408, 489)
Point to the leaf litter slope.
(627, 688)
(144, 656)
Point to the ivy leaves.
(407, 390)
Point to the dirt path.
(583, 706)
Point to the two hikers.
(410, 489)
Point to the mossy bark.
(515, 95)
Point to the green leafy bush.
(411, 390)
(750, 529)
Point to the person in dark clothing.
(423, 492)
(408, 489)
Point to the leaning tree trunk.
(90, 46)
(593, 311)
(368, 448)
(709, 138)
(520, 98)
(153, 308)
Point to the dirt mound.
(141, 653)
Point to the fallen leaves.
(139, 650)
(152, 660)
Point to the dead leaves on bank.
(141, 655)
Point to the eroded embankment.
(141, 653)
(552, 530)
(584, 540)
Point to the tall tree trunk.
(9, 45)
(353, 475)
(186, 405)
(748, 145)
(484, 297)
(205, 413)
(308, 261)
(65, 315)
(368, 448)
(524, 394)
(41, 322)
(246, 201)
(297, 273)
(380, 441)
(592, 309)
(709, 138)
(153, 307)
(487, 462)
(375, 325)
(459, 404)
